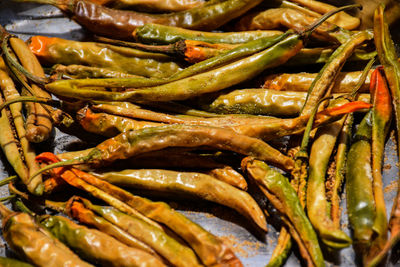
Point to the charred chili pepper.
(170, 249)
(163, 34)
(345, 82)
(34, 243)
(120, 24)
(151, 5)
(122, 59)
(278, 190)
(188, 184)
(388, 58)
(210, 249)
(96, 246)
(13, 139)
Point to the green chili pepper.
(284, 198)
(172, 250)
(120, 24)
(317, 207)
(345, 82)
(38, 124)
(276, 18)
(13, 140)
(360, 197)
(34, 243)
(80, 72)
(259, 102)
(315, 8)
(163, 34)
(151, 5)
(96, 246)
(240, 52)
(121, 59)
(210, 81)
(322, 84)
(8, 262)
(388, 58)
(188, 184)
(210, 249)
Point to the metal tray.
(253, 248)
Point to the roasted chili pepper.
(323, 83)
(8, 262)
(381, 119)
(228, 175)
(188, 184)
(229, 56)
(259, 102)
(151, 5)
(80, 72)
(283, 197)
(120, 24)
(276, 18)
(170, 249)
(345, 82)
(360, 197)
(341, 19)
(38, 124)
(13, 139)
(96, 246)
(388, 58)
(121, 59)
(210, 81)
(34, 243)
(210, 249)
(197, 51)
(162, 34)
(266, 128)
(317, 207)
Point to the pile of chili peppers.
(183, 111)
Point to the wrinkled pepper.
(284, 198)
(34, 243)
(96, 246)
(120, 23)
(170, 249)
(122, 59)
(173, 183)
(151, 5)
(210, 249)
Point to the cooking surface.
(253, 248)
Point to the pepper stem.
(8, 180)
(4, 199)
(42, 100)
(362, 79)
(321, 20)
(22, 207)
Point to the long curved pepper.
(210, 81)
(121, 23)
(209, 248)
(389, 59)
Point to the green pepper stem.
(8, 180)
(362, 79)
(317, 23)
(4, 199)
(22, 207)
